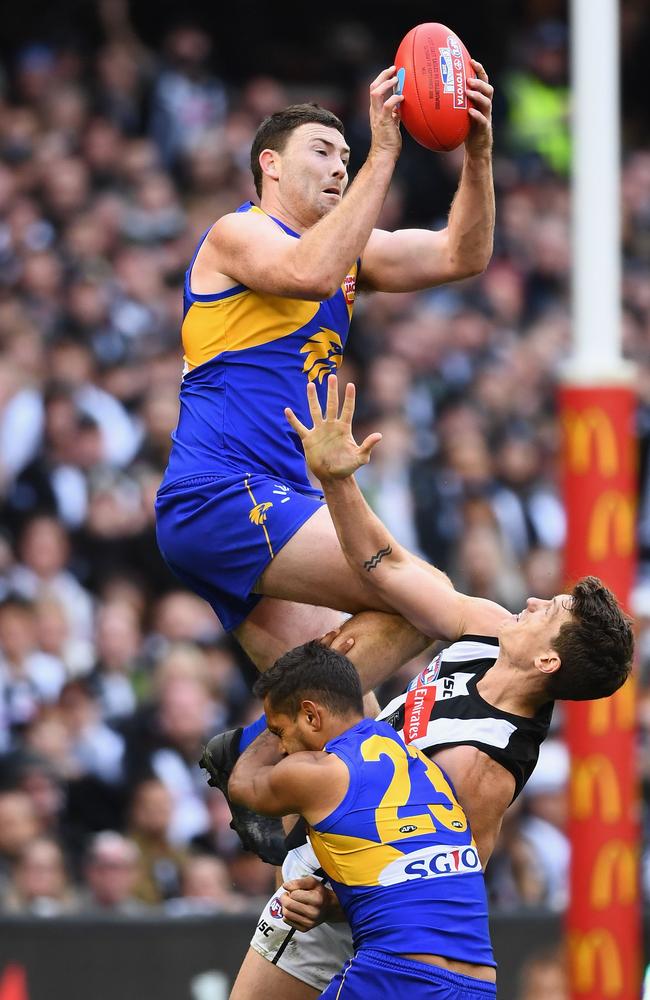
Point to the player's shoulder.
(470, 647)
(242, 232)
(308, 774)
(305, 762)
(244, 220)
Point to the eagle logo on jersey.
(324, 354)
(258, 514)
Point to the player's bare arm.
(405, 584)
(484, 789)
(248, 248)
(309, 783)
(412, 259)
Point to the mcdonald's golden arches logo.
(587, 429)
(596, 963)
(614, 875)
(594, 782)
(618, 711)
(611, 525)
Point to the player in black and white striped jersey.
(442, 707)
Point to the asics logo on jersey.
(324, 354)
(258, 514)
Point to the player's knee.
(384, 627)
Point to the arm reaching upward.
(418, 258)
(333, 456)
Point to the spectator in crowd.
(166, 739)
(538, 101)
(96, 749)
(544, 977)
(544, 826)
(55, 636)
(40, 884)
(150, 816)
(29, 678)
(111, 873)
(205, 889)
(219, 840)
(187, 99)
(117, 672)
(18, 827)
(44, 552)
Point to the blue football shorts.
(218, 534)
(383, 976)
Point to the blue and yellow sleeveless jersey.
(247, 356)
(399, 852)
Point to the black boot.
(263, 835)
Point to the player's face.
(532, 632)
(292, 734)
(313, 170)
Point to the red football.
(434, 66)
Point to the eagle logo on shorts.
(324, 354)
(258, 514)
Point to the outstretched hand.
(330, 448)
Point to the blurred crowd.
(113, 161)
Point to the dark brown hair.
(595, 647)
(275, 130)
(315, 672)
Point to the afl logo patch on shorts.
(275, 909)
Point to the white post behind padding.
(596, 225)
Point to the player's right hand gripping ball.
(432, 68)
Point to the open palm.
(330, 448)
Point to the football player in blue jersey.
(386, 827)
(268, 300)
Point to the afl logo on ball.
(349, 287)
(275, 909)
(446, 71)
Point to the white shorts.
(313, 957)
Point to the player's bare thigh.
(259, 979)
(312, 569)
(275, 626)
